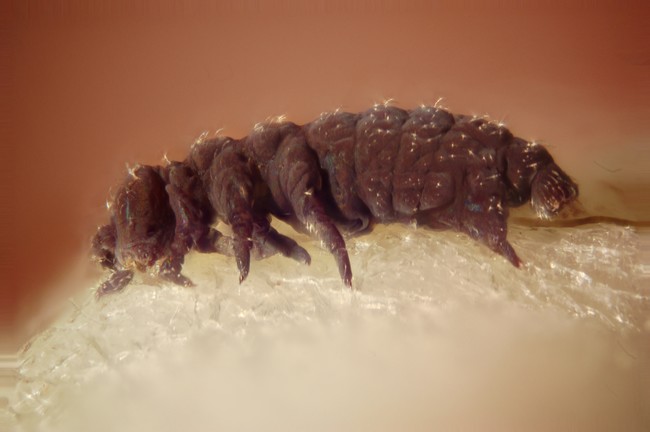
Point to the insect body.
(349, 171)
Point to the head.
(143, 219)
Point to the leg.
(230, 192)
(193, 216)
(311, 214)
(267, 242)
(300, 181)
(240, 220)
(192, 211)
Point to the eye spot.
(151, 231)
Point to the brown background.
(90, 86)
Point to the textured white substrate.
(440, 334)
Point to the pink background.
(94, 85)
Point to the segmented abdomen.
(393, 163)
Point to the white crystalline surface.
(439, 334)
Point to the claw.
(301, 255)
(313, 214)
(243, 258)
(345, 269)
